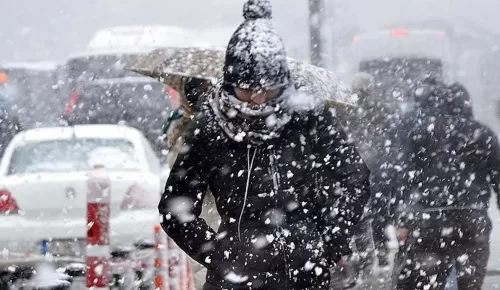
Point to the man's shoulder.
(203, 126)
(320, 123)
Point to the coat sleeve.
(181, 203)
(343, 182)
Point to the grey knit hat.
(256, 57)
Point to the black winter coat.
(287, 206)
(453, 160)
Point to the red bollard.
(98, 212)
(174, 267)
(161, 259)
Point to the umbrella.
(175, 66)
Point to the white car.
(43, 186)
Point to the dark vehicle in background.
(398, 59)
(138, 102)
(111, 49)
(85, 67)
(399, 44)
(99, 90)
(396, 80)
(31, 88)
(115, 93)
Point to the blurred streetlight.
(315, 25)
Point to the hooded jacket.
(453, 160)
(287, 205)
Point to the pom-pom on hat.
(256, 57)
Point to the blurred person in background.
(193, 99)
(287, 184)
(366, 126)
(451, 169)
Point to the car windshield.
(74, 155)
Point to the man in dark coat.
(287, 184)
(453, 164)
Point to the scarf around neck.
(251, 123)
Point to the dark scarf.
(255, 124)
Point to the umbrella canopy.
(175, 66)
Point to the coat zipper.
(281, 241)
(249, 175)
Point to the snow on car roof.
(78, 131)
(144, 39)
(142, 36)
(125, 80)
(111, 51)
(33, 65)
